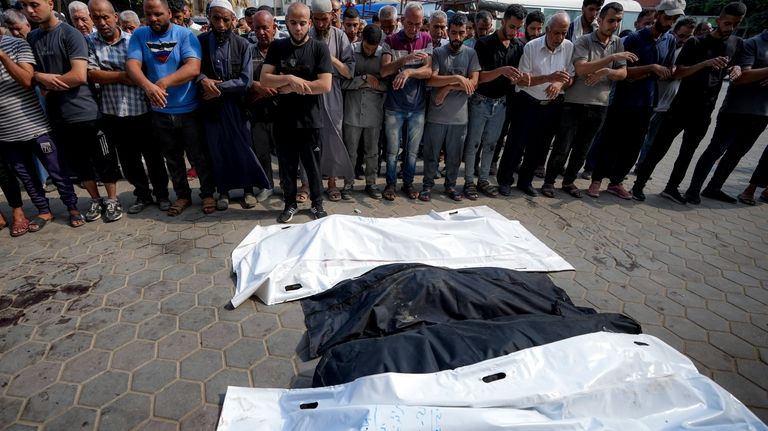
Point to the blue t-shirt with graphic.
(162, 55)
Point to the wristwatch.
(364, 77)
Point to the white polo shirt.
(539, 60)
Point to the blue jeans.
(393, 125)
(486, 117)
(653, 128)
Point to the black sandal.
(548, 190)
(38, 223)
(454, 194)
(470, 191)
(572, 190)
(76, 220)
(425, 195)
(389, 193)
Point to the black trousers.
(8, 183)
(530, 136)
(578, 126)
(294, 145)
(87, 152)
(760, 176)
(693, 122)
(734, 136)
(177, 134)
(121, 131)
(263, 143)
(621, 141)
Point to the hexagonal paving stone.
(49, 402)
(33, 379)
(54, 329)
(707, 319)
(161, 290)
(42, 312)
(115, 336)
(709, 356)
(219, 335)
(14, 336)
(178, 303)
(153, 376)
(9, 409)
(108, 283)
(69, 346)
(157, 327)
(197, 318)
(205, 417)
(140, 311)
(125, 413)
(133, 355)
(201, 365)
(244, 353)
(293, 318)
(144, 278)
(104, 388)
(284, 342)
(158, 425)
(215, 296)
(195, 283)
(177, 345)
(178, 399)
(84, 304)
(83, 367)
(260, 325)
(76, 418)
(98, 319)
(273, 373)
(216, 386)
(685, 329)
(733, 345)
(21, 357)
(123, 296)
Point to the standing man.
(129, 21)
(225, 76)
(81, 19)
(483, 27)
(336, 13)
(62, 72)
(599, 59)
(499, 55)
(547, 69)
(454, 78)
(644, 19)
(388, 20)
(438, 29)
(742, 119)
(170, 54)
(263, 104)
(702, 66)
(16, 23)
(634, 99)
(534, 26)
(351, 24)
(334, 161)
(124, 108)
(408, 57)
(300, 68)
(586, 22)
(364, 107)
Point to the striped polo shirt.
(21, 115)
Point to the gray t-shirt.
(53, 51)
(453, 111)
(750, 98)
(589, 48)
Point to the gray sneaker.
(264, 195)
(139, 206)
(113, 210)
(249, 201)
(94, 210)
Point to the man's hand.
(298, 86)
(51, 81)
(512, 73)
(441, 94)
(372, 81)
(156, 95)
(553, 90)
(662, 72)
(734, 73)
(125, 79)
(625, 55)
(258, 92)
(597, 76)
(717, 63)
(559, 76)
(210, 88)
(416, 57)
(466, 85)
(400, 79)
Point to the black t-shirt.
(703, 87)
(492, 54)
(306, 62)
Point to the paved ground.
(125, 325)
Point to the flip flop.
(179, 206)
(38, 223)
(746, 200)
(209, 205)
(19, 228)
(76, 220)
(302, 197)
(334, 195)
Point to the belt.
(490, 99)
(558, 99)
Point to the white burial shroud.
(595, 381)
(282, 263)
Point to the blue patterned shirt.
(120, 100)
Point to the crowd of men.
(333, 97)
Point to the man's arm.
(584, 68)
(390, 67)
(98, 76)
(322, 84)
(749, 75)
(187, 72)
(157, 96)
(637, 73)
(77, 75)
(20, 72)
(686, 71)
(242, 82)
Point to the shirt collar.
(123, 36)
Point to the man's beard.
(455, 45)
(323, 34)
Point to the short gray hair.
(438, 14)
(76, 6)
(129, 16)
(12, 16)
(558, 17)
(484, 15)
(388, 12)
(411, 6)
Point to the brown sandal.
(179, 206)
(389, 193)
(19, 227)
(334, 195)
(209, 205)
(302, 197)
